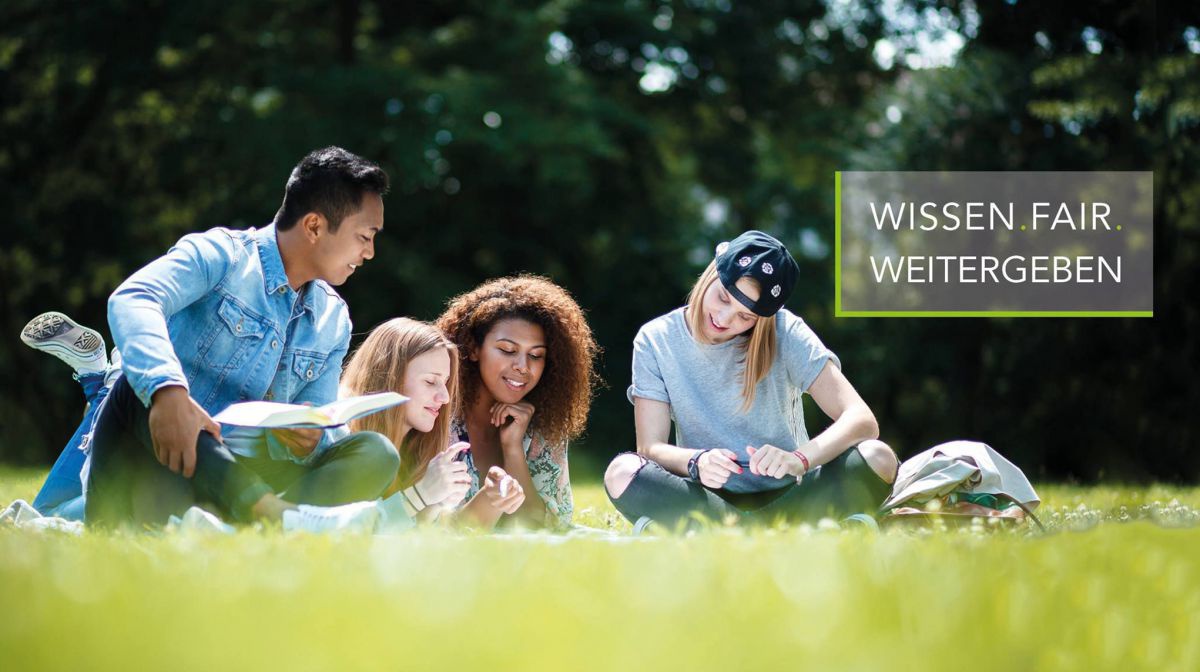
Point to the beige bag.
(956, 483)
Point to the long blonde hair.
(758, 347)
(378, 365)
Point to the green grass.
(1094, 593)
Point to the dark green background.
(125, 125)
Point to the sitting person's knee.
(380, 449)
(620, 473)
(881, 458)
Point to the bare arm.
(500, 493)
(478, 513)
(533, 510)
(513, 421)
(853, 421)
(652, 422)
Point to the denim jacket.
(216, 315)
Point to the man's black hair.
(331, 182)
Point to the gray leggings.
(843, 486)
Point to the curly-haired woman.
(526, 378)
(729, 369)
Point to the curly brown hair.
(563, 396)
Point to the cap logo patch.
(775, 291)
(767, 268)
(722, 247)
(744, 261)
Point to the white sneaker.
(196, 519)
(356, 517)
(56, 524)
(59, 335)
(18, 513)
(21, 514)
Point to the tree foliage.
(609, 145)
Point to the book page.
(273, 415)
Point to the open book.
(268, 414)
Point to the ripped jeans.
(843, 486)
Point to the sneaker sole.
(640, 527)
(44, 333)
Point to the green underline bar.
(837, 243)
(991, 313)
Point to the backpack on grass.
(957, 482)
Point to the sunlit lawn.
(1094, 593)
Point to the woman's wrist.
(514, 449)
(693, 465)
(413, 500)
(805, 465)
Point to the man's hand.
(299, 441)
(176, 421)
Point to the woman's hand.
(445, 481)
(501, 491)
(517, 416)
(774, 462)
(716, 466)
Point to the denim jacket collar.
(274, 276)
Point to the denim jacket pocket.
(239, 334)
(307, 366)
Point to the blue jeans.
(62, 493)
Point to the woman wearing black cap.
(729, 369)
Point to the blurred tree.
(610, 145)
(1109, 87)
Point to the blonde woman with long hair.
(417, 360)
(729, 369)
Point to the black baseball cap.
(760, 256)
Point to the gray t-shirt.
(703, 385)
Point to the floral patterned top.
(547, 467)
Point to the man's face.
(337, 254)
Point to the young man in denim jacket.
(228, 316)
